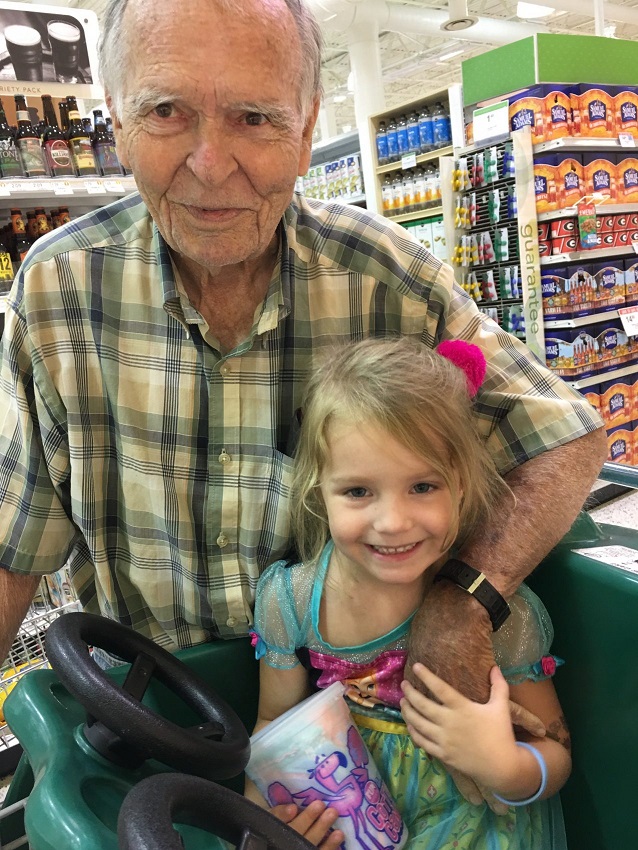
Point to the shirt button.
(231, 621)
(224, 457)
(222, 541)
(224, 370)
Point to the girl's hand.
(313, 822)
(476, 739)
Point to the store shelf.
(591, 254)
(416, 215)
(582, 320)
(602, 208)
(599, 377)
(422, 157)
(96, 188)
(570, 143)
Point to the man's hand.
(313, 822)
(451, 635)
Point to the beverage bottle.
(419, 189)
(55, 219)
(408, 192)
(63, 216)
(42, 221)
(19, 236)
(393, 141)
(80, 143)
(28, 141)
(442, 128)
(10, 163)
(32, 227)
(88, 126)
(402, 135)
(398, 199)
(56, 150)
(436, 184)
(428, 174)
(382, 144)
(104, 146)
(414, 144)
(64, 117)
(387, 195)
(426, 130)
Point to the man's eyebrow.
(279, 116)
(138, 103)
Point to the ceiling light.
(532, 10)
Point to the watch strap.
(476, 583)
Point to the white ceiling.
(411, 65)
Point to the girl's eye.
(422, 487)
(356, 492)
(164, 110)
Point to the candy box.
(555, 293)
(527, 109)
(620, 444)
(626, 111)
(616, 402)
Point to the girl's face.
(389, 511)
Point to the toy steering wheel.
(146, 817)
(120, 726)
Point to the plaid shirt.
(158, 468)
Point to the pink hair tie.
(469, 358)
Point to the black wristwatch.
(477, 584)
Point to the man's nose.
(211, 157)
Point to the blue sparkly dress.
(436, 815)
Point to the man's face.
(211, 125)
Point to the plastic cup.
(315, 752)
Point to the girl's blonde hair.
(418, 397)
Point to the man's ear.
(120, 140)
(306, 149)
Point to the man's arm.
(450, 634)
(16, 593)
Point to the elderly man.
(155, 351)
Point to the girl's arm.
(478, 738)
(279, 690)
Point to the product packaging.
(555, 292)
(620, 444)
(609, 285)
(557, 112)
(545, 187)
(616, 402)
(527, 109)
(600, 176)
(626, 111)
(570, 180)
(593, 111)
(627, 179)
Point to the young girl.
(391, 476)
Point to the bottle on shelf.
(32, 227)
(79, 143)
(10, 162)
(393, 141)
(426, 130)
(56, 150)
(63, 216)
(28, 141)
(441, 126)
(64, 117)
(402, 135)
(420, 189)
(408, 192)
(88, 126)
(104, 147)
(398, 198)
(387, 195)
(414, 144)
(382, 143)
(20, 240)
(42, 221)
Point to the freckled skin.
(215, 176)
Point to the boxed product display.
(555, 293)
(616, 401)
(527, 109)
(626, 179)
(557, 112)
(545, 188)
(592, 394)
(621, 444)
(593, 110)
(600, 176)
(631, 282)
(609, 285)
(570, 179)
(626, 111)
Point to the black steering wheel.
(152, 806)
(120, 726)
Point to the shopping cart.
(88, 765)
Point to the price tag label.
(4, 191)
(16, 187)
(408, 160)
(6, 267)
(626, 140)
(94, 187)
(39, 187)
(113, 186)
(62, 187)
(629, 319)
